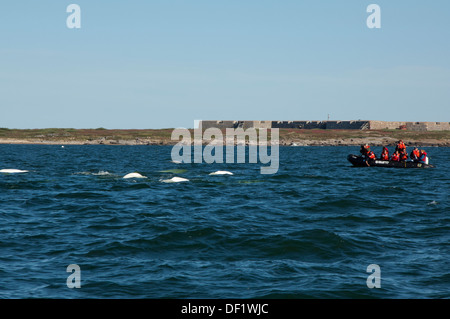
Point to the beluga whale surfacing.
(175, 180)
(134, 175)
(221, 173)
(12, 171)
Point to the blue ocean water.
(309, 231)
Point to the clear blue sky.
(166, 63)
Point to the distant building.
(331, 125)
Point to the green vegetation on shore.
(361, 134)
(163, 136)
(82, 135)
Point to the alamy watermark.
(374, 279)
(73, 21)
(374, 19)
(235, 138)
(74, 279)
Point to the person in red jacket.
(367, 154)
(403, 156)
(423, 158)
(415, 154)
(395, 157)
(400, 146)
(385, 154)
(371, 155)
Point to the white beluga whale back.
(221, 173)
(134, 175)
(175, 180)
(12, 171)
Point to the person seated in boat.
(415, 154)
(384, 154)
(400, 146)
(370, 155)
(365, 149)
(403, 156)
(395, 157)
(423, 157)
(367, 154)
(361, 150)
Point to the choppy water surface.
(309, 231)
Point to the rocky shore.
(287, 137)
(370, 141)
(284, 142)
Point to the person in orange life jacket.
(385, 154)
(371, 155)
(365, 149)
(367, 153)
(395, 157)
(423, 158)
(415, 154)
(403, 156)
(400, 146)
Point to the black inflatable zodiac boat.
(361, 162)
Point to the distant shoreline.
(287, 137)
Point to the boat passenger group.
(400, 154)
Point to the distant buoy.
(134, 175)
(62, 146)
(175, 180)
(12, 171)
(221, 173)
